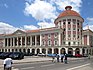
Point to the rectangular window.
(64, 23)
(74, 35)
(69, 28)
(64, 43)
(55, 42)
(49, 35)
(49, 42)
(74, 21)
(74, 43)
(74, 28)
(69, 35)
(68, 22)
(56, 35)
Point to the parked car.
(17, 55)
(41, 54)
(78, 55)
(51, 55)
(69, 55)
(4, 55)
(28, 54)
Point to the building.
(67, 36)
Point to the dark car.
(28, 54)
(4, 55)
(17, 55)
(69, 55)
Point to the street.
(81, 64)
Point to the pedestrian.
(8, 64)
(53, 59)
(65, 59)
(62, 56)
(89, 56)
(58, 58)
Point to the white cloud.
(90, 19)
(40, 10)
(6, 5)
(45, 25)
(76, 4)
(6, 28)
(30, 27)
(89, 22)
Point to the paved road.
(81, 64)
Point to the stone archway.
(15, 50)
(24, 50)
(20, 50)
(44, 50)
(70, 51)
(49, 51)
(33, 51)
(63, 51)
(56, 51)
(28, 50)
(77, 51)
(38, 50)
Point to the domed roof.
(68, 12)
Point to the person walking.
(53, 59)
(65, 59)
(58, 58)
(8, 64)
(62, 56)
(89, 56)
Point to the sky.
(36, 14)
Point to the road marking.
(27, 68)
(47, 65)
(78, 66)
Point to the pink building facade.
(67, 36)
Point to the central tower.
(71, 23)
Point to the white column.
(66, 49)
(35, 40)
(85, 51)
(35, 51)
(21, 41)
(40, 39)
(52, 50)
(4, 42)
(59, 51)
(46, 50)
(59, 39)
(66, 29)
(74, 51)
(10, 42)
(30, 50)
(40, 50)
(71, 29)
(80, 50)
(30, 40)
(88, 39)
(25, 41)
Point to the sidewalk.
(33, 59)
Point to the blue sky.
(34, 14)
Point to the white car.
(41, 54)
